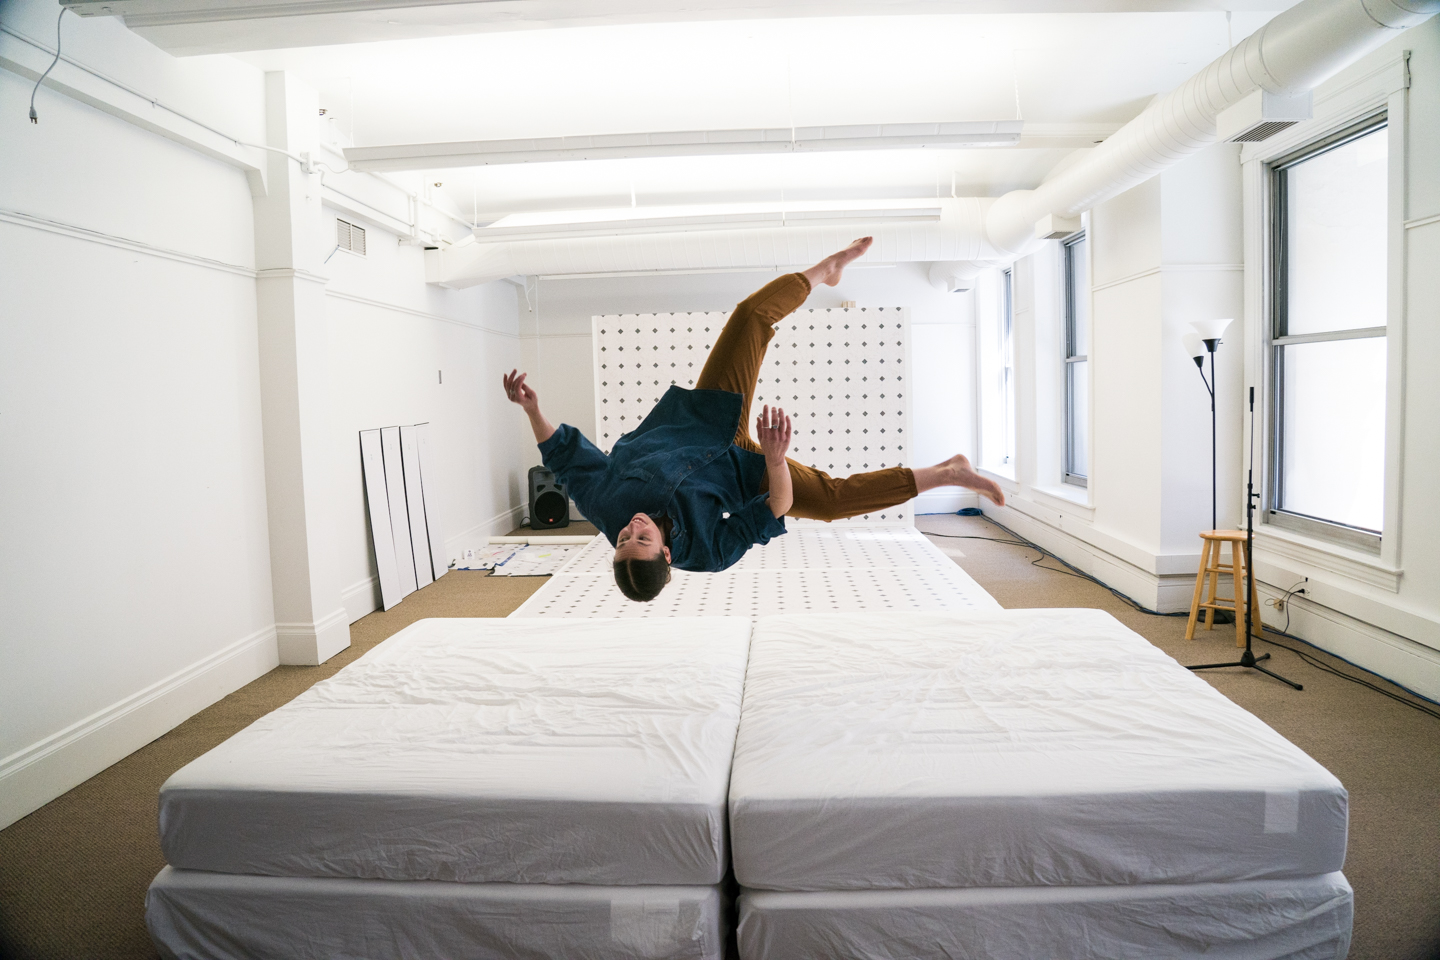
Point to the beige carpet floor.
(73, 873)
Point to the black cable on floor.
(1018, 541)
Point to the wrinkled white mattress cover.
(484, 750)
(1307, 918)
(219, 916)
(1025, 748)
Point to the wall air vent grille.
(1263, 131)
(350, 237)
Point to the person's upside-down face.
(640, 539)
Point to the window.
(1077, 350)
(996, 356)
(1328, 343)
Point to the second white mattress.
(1023, 748)
(593, 752)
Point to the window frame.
(1007, 365)
(1276, 338)
(1071, 358)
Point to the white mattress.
(484, 750)
(1025, 748)
(216, 916)
(811, 568)
(1297, 919)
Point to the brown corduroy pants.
(734, 365)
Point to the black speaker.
(549, 504)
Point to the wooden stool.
(1211, 566)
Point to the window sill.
(1066, 497)
(1333, 558)
(1006, 481)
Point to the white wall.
(556, 345)
(136, 566)
(391, 339)
(1162, 254)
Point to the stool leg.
(1214, 569)
(1237, 563)
(1199, 588)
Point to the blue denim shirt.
(680, 462)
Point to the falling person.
(689, 487)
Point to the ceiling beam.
(692, 143)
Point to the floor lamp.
(1204, 339)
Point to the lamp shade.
(1193, 346)
(1211, 329)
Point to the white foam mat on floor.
(809, 569)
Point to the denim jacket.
(680, 462)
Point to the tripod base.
(1252, 662)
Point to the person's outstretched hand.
(772, 429)
(518, 391)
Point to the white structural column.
(312, 624)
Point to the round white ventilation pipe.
(1292, 53)
(1307, 44)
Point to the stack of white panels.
(1019, 784)
(517, 787)
(812, 568)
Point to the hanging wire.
(1015, 540)
(34, 117)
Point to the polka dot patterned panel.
(758, 593)
(834, 548)
(841, 374)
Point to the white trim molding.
(123, 243)
(361, 598)
(311, 644)
(412, 312)
(33, 776)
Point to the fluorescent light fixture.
(1193, 346)
(693, 143)
(557, 225)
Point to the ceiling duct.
(1287, 57)
(1260, 116)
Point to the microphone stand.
(1248, 658)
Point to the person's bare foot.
(828, 271)
(961, 474)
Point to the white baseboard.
(37, 774)
(944, 500)
(1166, 593)
(479, 535)
(311, 644)
(361, 598)
(1390, 655)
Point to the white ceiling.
(1076, 76)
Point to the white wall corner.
(33, 776)
(311, 644)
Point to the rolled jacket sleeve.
(576, 462)
(752, 524)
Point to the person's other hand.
(518, 391)
(772, 428)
